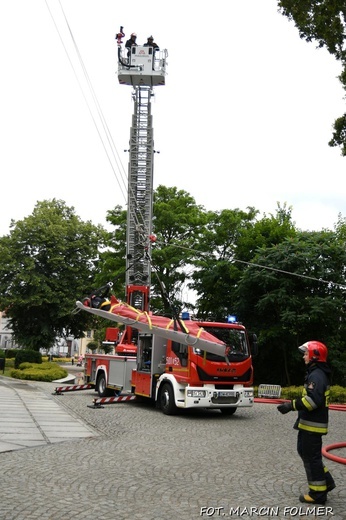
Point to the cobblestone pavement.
(143, 465)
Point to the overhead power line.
(269, 268)
(113, 155)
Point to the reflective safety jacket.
(313, 405)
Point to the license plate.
(226, 394)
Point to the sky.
(243, 120)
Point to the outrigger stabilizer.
(72, 388)
(97, 403)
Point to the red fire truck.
(178, 362)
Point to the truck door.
(151, 357)
(141, 378)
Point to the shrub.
(92, 345)
(12, 352)
(26, 355)
(39, 372)
(291, 392)
(25, 365)
(337, 393)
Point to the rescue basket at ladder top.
(142, 66)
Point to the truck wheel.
(102, 389)
(228, 411)
(167, 403)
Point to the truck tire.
(228, 411)
(167, 403)
(102, 389)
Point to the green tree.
(230, 241)
(100, 334)
(93, 346)
(297, 295)
(215, 272)
(48, 262)
(178, 225)
(112, 258)
(323, 21)
(267, 231)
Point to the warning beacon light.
(231, 318)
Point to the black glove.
(285, 407)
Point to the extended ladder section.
(143, 68)
(140, 196)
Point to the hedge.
(39, 372)
(9, 353)
(337, 393)
(26, 355)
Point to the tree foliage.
(270, 274)
(230, 241)
(179, 226)
(264, 270)
(324, 22)
(216, 273)
(297, 296)
(112, 258)
(48, 262)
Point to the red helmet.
(317, 350)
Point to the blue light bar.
(231, 318)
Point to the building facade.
(71, 347)
(6, 333)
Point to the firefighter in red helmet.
(312, 421)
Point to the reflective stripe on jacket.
(313, 405)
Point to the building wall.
(6, 333)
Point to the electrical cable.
(117, 160)
(137, 214)
(107, 132)
(105, 127)
(252, 264)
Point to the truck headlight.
(248, 393)
(196, 393)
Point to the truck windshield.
(235, 339)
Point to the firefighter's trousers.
(309, 448)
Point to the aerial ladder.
(142, 67)
(177, 362)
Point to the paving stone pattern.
(131, 462)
